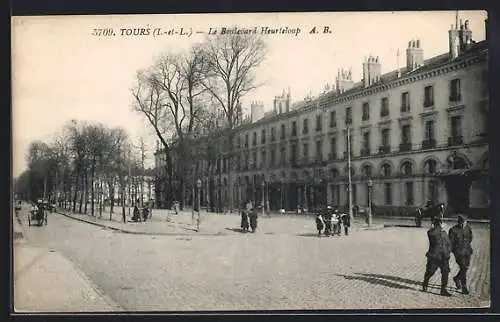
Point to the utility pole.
(349, 172)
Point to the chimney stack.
(343, 81)
(414, 55)
(371, 71)
(453, 39)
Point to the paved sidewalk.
(45, 281)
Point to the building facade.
(418, 134)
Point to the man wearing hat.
(460, 238)
(438, 256)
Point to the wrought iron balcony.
(428, 103)
(305, 160)
(345, 154)
(384, 149)
(365, 152)
(428, 144)
(406, 146)
(332, 156)
(455, 98)
(455, 140)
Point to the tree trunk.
(92, 188)
(100, 198)
(124, 217)
(82, 192)
(77, 181)
(112, 198)
(86, 198)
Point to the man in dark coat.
(327, 217)
(346, 221)
(438, 256)
(460, 238)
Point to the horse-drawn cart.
(37, 215)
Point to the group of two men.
(441, 245)
(329, 223)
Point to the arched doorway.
(457, 184)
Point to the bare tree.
(230, 65)
(171, 91)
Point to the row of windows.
(429, 141)
(388, 193)
(455, 95)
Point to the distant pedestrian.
(438, 256)
(336, 229)
(245, 224)
(327, 217)
(346, 222)
(460, 238)
(320, 223)
(253, 219)
(136, 216)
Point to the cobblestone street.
(282, 266)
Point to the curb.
(126, 231)
(481, 221)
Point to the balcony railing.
(428, 103)
(455, 98)
(345, 155)
(406, 146)
(455, 140)
(332, 156)
(304, 160)
(428, 144)
(365, 152)
(384, 149)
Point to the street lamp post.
(198, 185)
(263, 185)
(370, 186)
(281, 195)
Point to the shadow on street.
(310, 235)
(236, 230)
(385, 280)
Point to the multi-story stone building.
(419, 133)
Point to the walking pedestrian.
(328, 221)
(336, 223)
(346, 221)
(320, 223)
(438, 256)
(460, 238)
(253, 219)
(244, 219)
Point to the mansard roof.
(326, 99)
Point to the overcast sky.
(62, 72)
